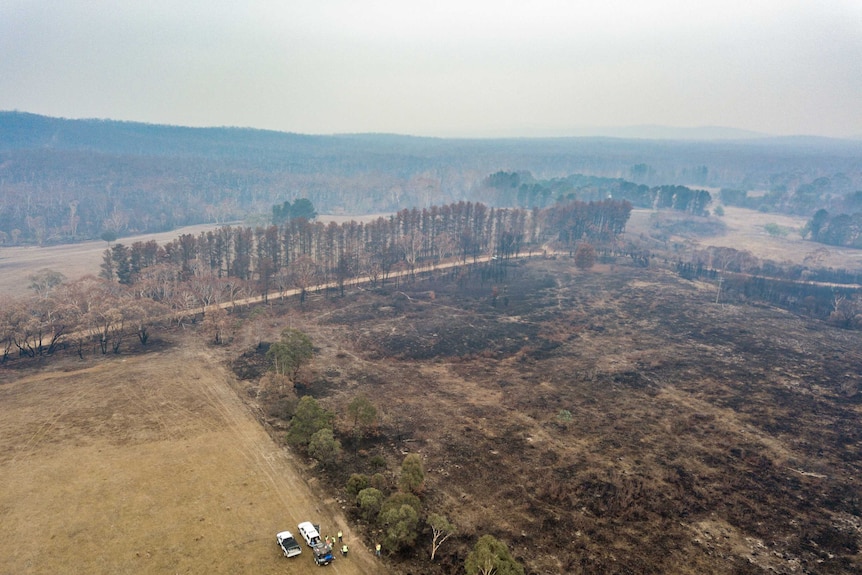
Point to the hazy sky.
(439, 67)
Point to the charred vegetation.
(609, 421)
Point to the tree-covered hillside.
(68, 180)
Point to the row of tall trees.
(145, 283)
(740, 276)
(300, 253)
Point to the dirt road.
(162, 471)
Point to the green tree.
(122, 267)
(369, 501)
(356, 483)
(379, 481)
(106, 269)
(412, 477)
(303, 208)
(324, 447)
(362, 411)
(308, 419)
(441, 530)
(818, 222)
(281, 213)
(400, 526)
(775, 230)
(398, 499)
(291, 353)
(491, 557)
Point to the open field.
(746, 231)
(148, 464)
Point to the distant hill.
(650, 132)
(65, 180)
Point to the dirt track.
(164, 471)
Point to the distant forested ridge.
(69, 180)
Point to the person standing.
(377, 550)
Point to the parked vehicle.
(288, 544)
(323, 554)
(309, 533)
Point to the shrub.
(356, 483)
(369, 501)
(324, 447)
(379, 481)
(412, 477)
(308, 419)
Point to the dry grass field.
(148, 464)
(746, 230)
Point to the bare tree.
(304, 274)
(216, 323)
(7, 334)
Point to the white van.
(309, 533)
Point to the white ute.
(288, 544)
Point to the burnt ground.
(610, 421)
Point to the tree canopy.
(309, 418)
(441, 530)
(324, 447)
(301, 208)
(491, 557)
(400, 526)
(412, 477)
(369, 501)
(290, 353)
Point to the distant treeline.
(522, 190)
(843, 230)
(827, 294)
(837, 194)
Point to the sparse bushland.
(631, 413)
